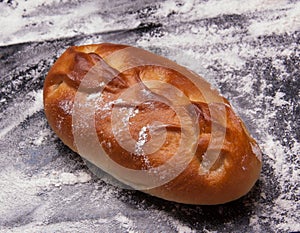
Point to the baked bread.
(150, 123)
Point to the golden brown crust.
(232, 174)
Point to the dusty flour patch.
(24, 21)
(66, 106)
(142, 139)
(41, 137)
(19, 192)
(181, 228)
(19, 111)
(125, 222)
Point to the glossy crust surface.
(232, 174)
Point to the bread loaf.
(151, 123)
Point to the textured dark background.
(249, 51)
